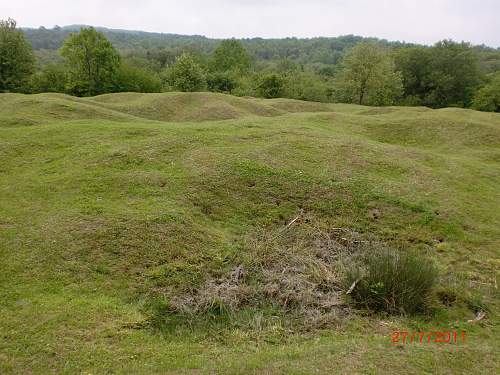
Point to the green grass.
(108, 204)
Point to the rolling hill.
(197, 232)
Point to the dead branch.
(353, 286)
(480, 315)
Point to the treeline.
(346, 69)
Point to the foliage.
(271, 86)
(367, 76)
(186, 74)
(347, 68)
(163, 56)
(307, 86)
(92, 62)
(453, 74)
(414, 65)
(487, 98)
(230, 55)
(51, 78)
(247, 85)
(166, 47)
(392, 281)
(17, 61)
(130, 78)
(443, 75)
(221, 82)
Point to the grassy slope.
(98, 195)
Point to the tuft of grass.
(392, 281)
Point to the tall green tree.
(92, 62)
(186, 74)
(453, 75)
(487, 98)
(414, 65)
(367, 76)
(17, 61)
(230, 55)
(443, 75)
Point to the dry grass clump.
(295, 270)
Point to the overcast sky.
(422, 21)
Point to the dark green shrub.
(271, 86)
(52, 78)
(392, 281)
(220, 82)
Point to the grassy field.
(119, 211)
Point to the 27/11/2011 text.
(449, 337)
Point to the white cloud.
(424, 21)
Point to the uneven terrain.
(193, 233)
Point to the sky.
(418, 21)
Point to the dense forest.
(350, 68)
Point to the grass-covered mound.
(138, 235)
(18, 110)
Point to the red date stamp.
(433, 336)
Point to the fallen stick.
(293, 221)
(352, 286)
(480, 315)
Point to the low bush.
(221, 82)
(391, 281)
(271, 86)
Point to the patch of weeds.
(386, 280)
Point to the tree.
(230, 55)
(443, 75)
(92, 62)
(367, 76)
(487, 98)
(130, 78)
(453, 75)
(414, 65)
(52, 78)
(17, 61)
(271, 86)
(186, 74)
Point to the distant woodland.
(86, 61)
